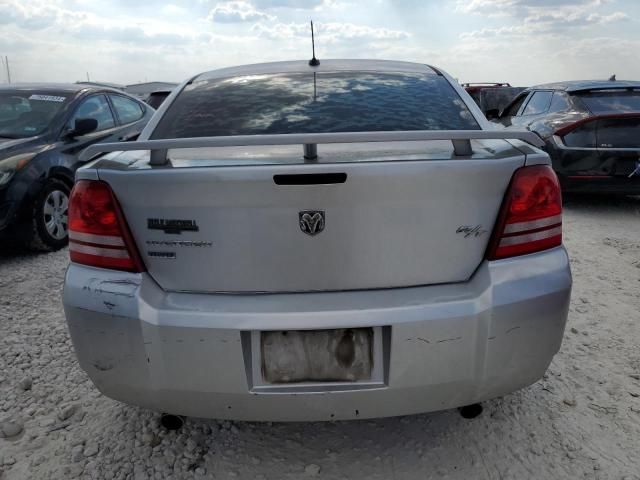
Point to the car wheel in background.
(50, 217)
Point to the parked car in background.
(289, 241)
(154, 93)
(492, 97)
(43, 128)
(591, 131)
(474, 89)
(115, 86)
(155, 99)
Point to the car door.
(97, 107)
(130, 114)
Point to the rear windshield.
(315, 103)
(610, 101)
(25, 113)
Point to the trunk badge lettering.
(311, 221)
(471, 231)
(166, 255)
(175, 227)
(179, 243)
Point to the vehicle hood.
(13, 146)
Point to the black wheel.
(50, 217)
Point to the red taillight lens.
(531, 216)
(98, 233)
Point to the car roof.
(57, 87)
(485, 84)
(585, 85)
(302, 66)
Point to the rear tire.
(50, 217)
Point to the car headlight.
(9, 166)
(5, 176)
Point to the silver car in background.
(295, 242)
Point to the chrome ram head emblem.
(311, 221)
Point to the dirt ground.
(581, 421)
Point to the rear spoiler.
(562, 131)
(461, 140)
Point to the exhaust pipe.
(470, 411)
(171, 422)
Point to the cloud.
(297, 4)
(133, 35)
(520, 41)
(537, 16)
(548, 40)
(35, 15)
(237, 11)
(510, 7)
(546, 24)
(328, 32)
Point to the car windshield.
(26, 113)
(321, 102)
(611, 101)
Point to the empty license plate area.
(339, 357)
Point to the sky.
(523, 42)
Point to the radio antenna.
(314, 62)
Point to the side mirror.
(492, 114)
(83, 126)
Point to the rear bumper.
(443, 346)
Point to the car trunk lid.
(224, 220)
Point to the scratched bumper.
(441, 346)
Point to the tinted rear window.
(612, 101)
(321, 103)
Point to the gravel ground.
(581, 421)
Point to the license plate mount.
(328, 358)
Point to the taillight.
(98, 233)
(531, 215)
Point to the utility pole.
(6, 62)
(88, 79)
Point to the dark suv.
(591, 130)
(43, 128)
